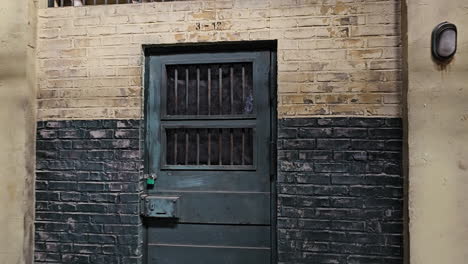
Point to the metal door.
(208, 137)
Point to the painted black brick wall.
(87, 192)
(340, 190)
(339, 184)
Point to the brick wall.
(340, 190)
(334, 57)
(87, 192)
(339, 182)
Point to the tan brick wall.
(339, 58)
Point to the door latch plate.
(161, 206)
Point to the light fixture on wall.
(444, 41)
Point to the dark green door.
(208, 144)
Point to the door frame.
(219, 47)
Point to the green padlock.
(150, 181)
(150, 178)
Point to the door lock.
(150, 178)
(160, 206)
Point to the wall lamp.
(444, 41)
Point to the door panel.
(208, 138)
(172, 254)
(235, 181)
(210, 235)
(222, 207)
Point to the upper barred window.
(210, 89)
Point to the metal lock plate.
(161, 206)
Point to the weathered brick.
(333, 144)
(353, 72)
(299, 144)
(332, 77)
(386, 133)
(119, 31)
(365, 54)
(296, 166)
(390, 30)
(84, 190)
(341, 132)
(353, 190)
(314, 132)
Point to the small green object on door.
(150, 181)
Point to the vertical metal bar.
(186, 91)
(209, 91)
(84, 2)
(220, 90)
(198, 146)
(198, 91)
(117, 2)
(95, 2)
(175, 147)
(232, 89)
(243, 144)
(232, 146)
(186, 146)
(175, 91)
(209, 146)
(220, 147)
(243, 89)
(105, 2)
(62, 3)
